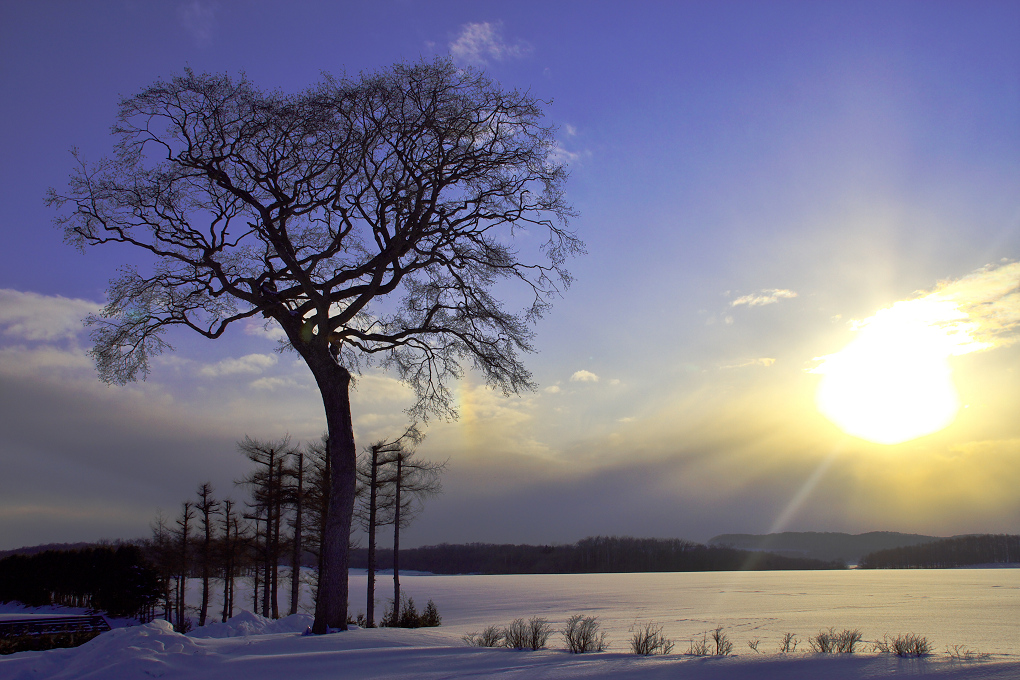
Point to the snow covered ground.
(973, 608)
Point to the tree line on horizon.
(595, 554)
(115, 579)
(959, 551)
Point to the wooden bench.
(52, 625)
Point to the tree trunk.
(396, 538)
(295, 558)
(334, 384)
(373, 492)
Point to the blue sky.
(751, 179)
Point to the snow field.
(974, 608)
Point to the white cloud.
(552, 389)
(269, 330)
(251, 363)
(270, 384)
(31, 316)
(767, 296)
(584, 376)
(479, 42)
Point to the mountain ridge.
(822, 545)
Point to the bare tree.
(183, 564)
(424, 184)
(372, 483)
(267, 506)
(413, 481)
(297, 499)
(232, 545)
(163, 554)
(206, 506)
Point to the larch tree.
(372, 218)
(373, 480)
(207, 506)
(412, 481)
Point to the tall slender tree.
(425, 184)
(267, 504)
(414, 480)
(373, 479)
(297, 498)
(207, 507)
(231, 546)
(183, 564)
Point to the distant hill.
(828, 546)
(81, 545)
(36, 549)
(961, 551)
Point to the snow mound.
(145, 650)
(249, 623)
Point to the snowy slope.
(155, 651)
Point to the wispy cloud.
(198, 18)
(251, 363)
(584, 376)
(31, 316)
(480, 42)
(768, 296)
(761, 361)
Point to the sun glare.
(893, 383)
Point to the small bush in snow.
(960, 653)
(582, 635)
(905, 645)
(515, 635)
(533, 634)
(753, 645)
(430, 618)
(789, 644)
(723, 646)
(699, 647)
(408, 617)
(491, 636)
(823, 642)
(650, 640)
(831, 642)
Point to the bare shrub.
(960, 653)
(910, 645)
(881, 646)
(753, 645)
(650, 640)
(699, 647)
(539, 631)
(847, 640)
(824, 642)
(831, 642)
(789, 644)
(723, 646)
(491, 636)
(582, 635)
(515, 635)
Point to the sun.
(893, 382)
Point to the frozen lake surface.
(976, 608)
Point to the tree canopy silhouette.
(375, 218)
